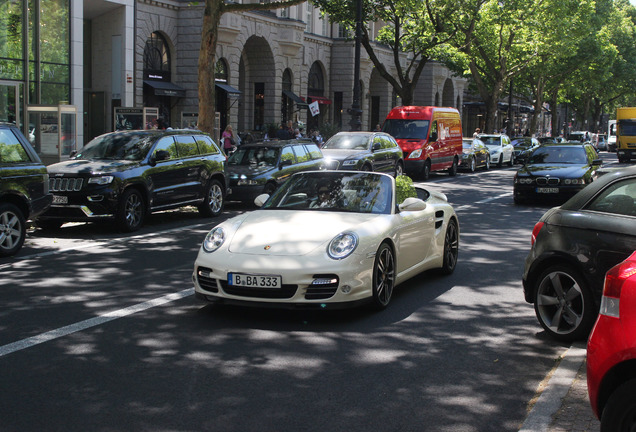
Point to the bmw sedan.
(573, 246)
(364, 151)
(556, 172)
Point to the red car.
(611, 351)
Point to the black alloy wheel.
(452, 171)
(472, 165)
(563, 303)
(131, 212)
(383, 276)
(451, 248)
(399, 169)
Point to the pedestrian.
(378, 128)
(477, 132)
(282, 133)
(228, 139)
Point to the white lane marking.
(487, 200)
(91, 322)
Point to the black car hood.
(248, 170)
(565, 171)
(339, 154)
(77, 166)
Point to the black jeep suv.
(24, 188)
(122, 176)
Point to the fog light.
(346, 289)
(324, 281)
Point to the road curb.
(548, 404)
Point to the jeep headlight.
(101, 180)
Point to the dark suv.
(260, 168)
(24, 188)
(123, 176)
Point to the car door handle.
(179, 163)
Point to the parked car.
(500, 148)
(580, 136)
(611, 351)
(475, 155)
(350, 246)
(262, 167)
(572, 248)
(122, 176)
(430, 137)
(601, 142)
(364, 151)
(556, 172)
(24, 188)
(522, 147)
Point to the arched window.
(316, 84)
(157, 57)
(220, 71)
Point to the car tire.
(511, 162)
(500, 163)
(383, 276)
(451, 248)
(214, 200)
(399, 169)
(131, 211)
(472, 165)
(366, 167)
(12, 229)
(426, 170)
(452, 171)
(563, 303)
(619, 413)
(487, 163)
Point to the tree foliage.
(212, 13)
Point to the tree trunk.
(207, 63)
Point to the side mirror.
(376, 147)
(286, 162)
(412, 204)
(597, 162)
(433, 137)
(72, 155)
(260, 200)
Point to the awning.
(297, 99)
(320, 99)
(231, 91)
(165, 88)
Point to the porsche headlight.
(342, 245)
(102, 180)
(214, 239)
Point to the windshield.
(522, 143)
(627, 127)
(491, 141)
(558, 155)
(406, 129)
(117, 146)
(348, 142)
(261, 156)
(334, 191)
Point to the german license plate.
(60, 199)
(547, 190)
(254, 281)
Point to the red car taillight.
(614, 280)
(535, 232)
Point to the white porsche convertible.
(327, 239)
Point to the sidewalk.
(564, 404)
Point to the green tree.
(413, 30)
(212, 13)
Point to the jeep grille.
(65, 184)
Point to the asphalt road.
(100, 331)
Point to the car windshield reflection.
(560, 155)
(347, 142)
(124, 146)
(255, 156)
(335, 191)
